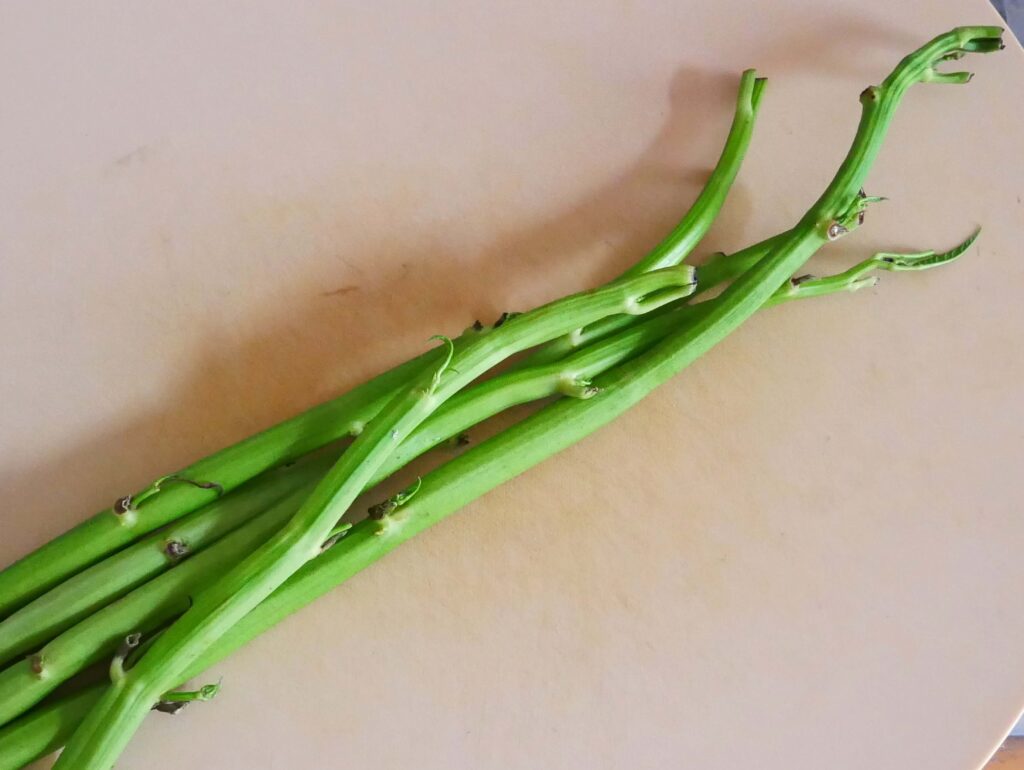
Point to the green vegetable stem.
(105, 731)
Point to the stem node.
(836, 231)
(176, 550)
(869, 95)
(37, 665)
(123, 505)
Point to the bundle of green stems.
(169, 580)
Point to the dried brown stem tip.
(170, 707)
(380, 510)
(123, 505)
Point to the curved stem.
(225, 470)
(860, 275)
(698, 220)
(693, 226)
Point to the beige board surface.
(804, 552)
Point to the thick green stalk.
(85, 593)
(108, 728)
(26, 682)
(46, 728)
(106, 531)
(862, 275)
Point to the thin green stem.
(176, 700)
(205, 693)
(839, 208)
(861, 275)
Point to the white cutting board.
(804, 552)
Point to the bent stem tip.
(173, 702)
(860, 275)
